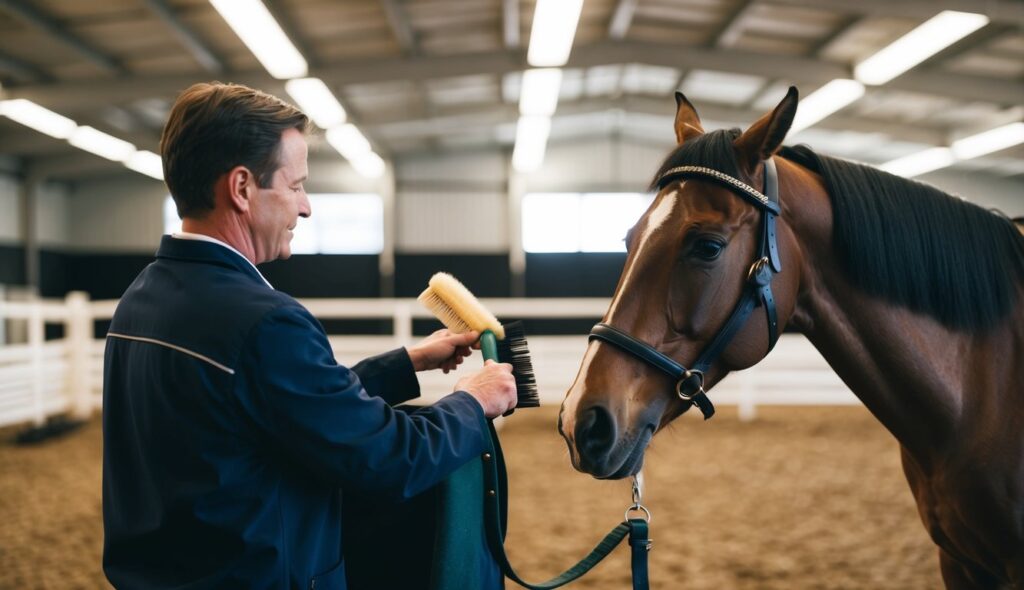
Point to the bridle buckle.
(760, 272)
(691, 385)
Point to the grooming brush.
(460, 311)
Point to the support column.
(28, 192)
(386, 261)
(516, 188)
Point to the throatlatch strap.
(636, 529)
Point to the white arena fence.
(42, 378)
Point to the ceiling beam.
(732, 26)
(25, 142)
(485, 118)
(510, 24)
(399, 23)
(845, 25)
(73, 165)
(22, 70)
(806, 71)
(975, 40)
(199, 50)
(622, 18)
(999, 11)
(50, 26)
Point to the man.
(230, 432)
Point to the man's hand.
(493, 386)
(442, 350)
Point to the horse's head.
(688, 266)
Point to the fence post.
(36, 341)
(78, 342)
(747, 406)
(3, 317)
(403, 324)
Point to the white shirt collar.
(184, 235)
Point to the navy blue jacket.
(230, 431)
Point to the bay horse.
(914, 297)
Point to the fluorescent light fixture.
(920, 162)
(39, 118)
(824, 101)
(317, 101)
(531, 140)
(929, 38)
(348, 141)
(101, 144)
(146, 162)
(256, 27)
(989, 141)
(369, 165)
(539, 92)
(554, 26)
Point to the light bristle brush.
(460, 311)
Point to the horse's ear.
(687, 122)
(766, 135)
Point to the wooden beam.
(22, 70)
(999, 11)
(49, 25)
(400, 124)
(732, 25)
(806, 71)
(400, 26)
(188, 38)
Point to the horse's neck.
(918, 377)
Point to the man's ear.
(239, 184)
(765, 136)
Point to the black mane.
(901, 240)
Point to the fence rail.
(41, 378)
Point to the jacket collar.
(208, 252)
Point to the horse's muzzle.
(600, 450)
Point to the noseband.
(758, 289)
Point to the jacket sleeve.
(318, 414)
(390, 376)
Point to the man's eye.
(707, 249)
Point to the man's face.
(276, 209)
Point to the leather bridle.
(757, 291)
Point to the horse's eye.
(707, 249)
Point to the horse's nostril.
(595, 432)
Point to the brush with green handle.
(460, 311)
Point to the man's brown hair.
(214, 127)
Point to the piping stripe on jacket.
(207, 359)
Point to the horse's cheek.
(686, 305)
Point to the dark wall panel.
(574, 274)
(485, 275)
(54, 272)
(322, 275)
(12, 265)
(103, 276)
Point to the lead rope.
(640, 541)
(636, 527)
